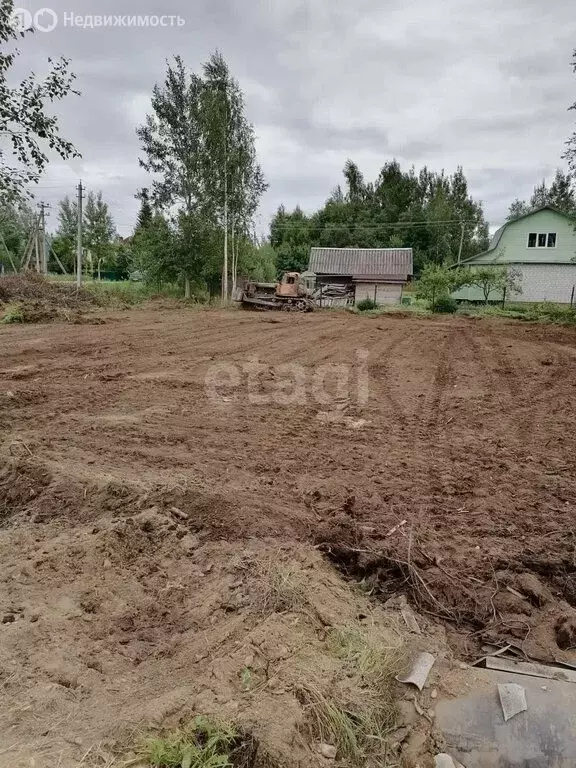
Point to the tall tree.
(64, 242)
(432, 213)
(146, 211)
(562, 192)
(517, 208)
(233, 179)
(99, 230)
(201, 147)
(539, 196)
(25, 125)
(172, 142)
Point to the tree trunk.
(233, 233)
(187, 291)
(225, 268)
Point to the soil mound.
(31, 298)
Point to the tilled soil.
(438, 463)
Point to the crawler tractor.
(289, 295)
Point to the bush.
(552, 313)
(445, 305)
(13, 314)
(366, 305)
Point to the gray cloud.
(436, 82)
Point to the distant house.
(541, 245)
(362, 273)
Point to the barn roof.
(365, 262)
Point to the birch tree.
(172, 143)
(233, 179)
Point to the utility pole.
(79, 243)
(42, 234)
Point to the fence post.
(504, 297)
(572, 298)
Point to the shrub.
(365, 305)
(445, 305)
(13, 314)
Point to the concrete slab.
(542, 737)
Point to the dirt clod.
(566, 632)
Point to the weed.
(355, 731)
(13, 314)
(281, 589)
(204, 744)
(246, 678)
(376, 663)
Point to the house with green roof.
(541, 247)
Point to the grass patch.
(13, 313)
(376, 663)
(357, 732)
(543, 312)
(203, 744)
(281, 589)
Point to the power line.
(358, 225)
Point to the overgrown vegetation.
(12, 313)
(202, 744)
(543, 312)
(366, 305)
(444, 305)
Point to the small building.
(362, 273)
(541, 246)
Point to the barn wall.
(383, 293)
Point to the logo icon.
(45, 20)
(21, 19)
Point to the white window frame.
(541, 247)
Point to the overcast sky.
(485, 84)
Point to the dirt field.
(145, 472)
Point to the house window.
(542, 240)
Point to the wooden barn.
(363, 273)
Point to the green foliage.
(200, 147)
(422, 211)
(365, 305)
(549, 312)
(24, 120)
(99, 233)
(561, 194)
(16, 221)
(204, 744)
(543, 312)
(445, 305)
(438, 281)
(497, 279)
(13, 313)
